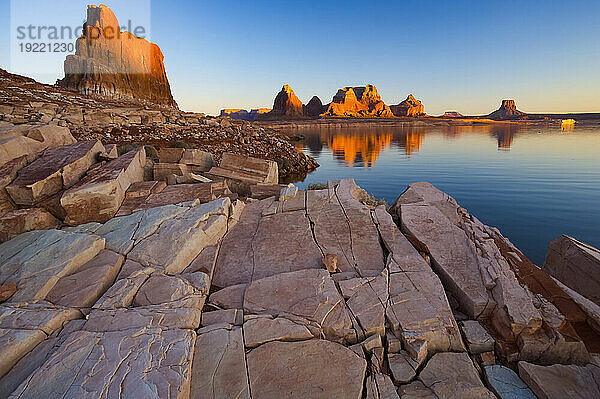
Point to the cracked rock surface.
(234, 300)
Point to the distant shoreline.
(533, 119)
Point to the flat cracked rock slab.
(506, 383)
(148, 363)
(310, 294)
(35, 261)
(219, 369)
(453, 375)
(307, 369)
(561, 381)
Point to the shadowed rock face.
(115, 64)
(409, 107)
(314, 108)
(363, 101)
(507, 110)
(286, 106)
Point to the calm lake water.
(533, 183)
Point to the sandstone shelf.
(302, 294)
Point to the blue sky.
(459, 55)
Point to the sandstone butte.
(409, 107)
(508, 110)
(360, 102)
(115, 64)
(286, 106)
(190, 290)
(245, 115)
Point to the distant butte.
(508, 110)
(362, 101)
(452, 114)
(116, 66)
(286, 106)
(409, 107)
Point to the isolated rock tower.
(115, 64)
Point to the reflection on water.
(361, 147)
(533, 183)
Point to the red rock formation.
(115, 64)
(314, 108)
(243, 114)
(409, 107)
(286, 106)
(452, 114)
(360, 102)
(508, 110)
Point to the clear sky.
(453, 55)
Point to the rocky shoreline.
(27, 102)
(307, 294)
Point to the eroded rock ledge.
(310, 295)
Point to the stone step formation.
(307, 294)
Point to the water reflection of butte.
(358, 149)
(412, 143)
(505, 137)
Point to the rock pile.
(28, 106)
(115, 64)
(232, 299)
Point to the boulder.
(175, 194)
(20, 221)
(98, 196)
(477, 338)
(306, 369)
(8, 172)
(453, 375)
(144, 188)
(138, 71)
(359, 102)
(28, 141)
(562, 382)
(576, 265)
(246, 169)
(6, 291)
(57, 169)
(506, 383)
(410, 107)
